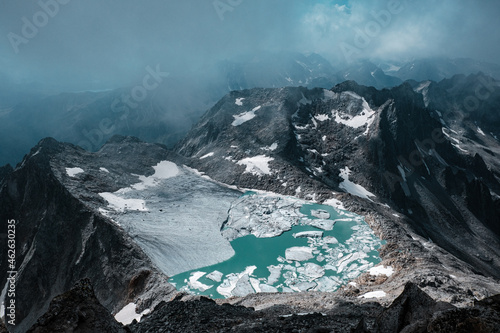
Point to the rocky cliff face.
(60, 239)
(412, 311)
(389, 147)
(77, 310)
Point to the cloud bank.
(95, 44)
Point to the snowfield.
(207, 155)
(245, 116)
(353, 188)
(365, 118)
(72, 172)
(257, 165)
(121, 205)
(127, 314)
(163, 170)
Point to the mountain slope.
(60, 239)
(385, 146)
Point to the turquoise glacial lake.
(261, 264)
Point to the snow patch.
(381, 270)
(366, 117)
(127, 315)
(239, 101)
(322, 117)
(480, 131)
(328, 95)
(163, 170)
(72, 172)
(272, 147)
(245, 116)
(104, 170)
(207, 155)
(121, 205)
(374, 294)
(334, 203)
(257, 165)
(304, 101)
(351, 187)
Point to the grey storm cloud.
(108, 43)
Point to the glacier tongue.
(175, 216)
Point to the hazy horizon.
(95, 45)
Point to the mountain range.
(419, 161)
(175, 102)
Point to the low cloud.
(105, 44)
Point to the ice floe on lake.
(277, 248)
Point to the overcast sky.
(97, 44)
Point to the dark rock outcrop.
(410, 311)
(5, 171)
(60, 239)
(77, 310)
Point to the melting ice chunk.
(304, 234)
(299, 253)
(320, 213)
(195, 284)
(215, 276)
(311, 270)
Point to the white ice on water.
(195, 284)
(299, 253)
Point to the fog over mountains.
(95, 45)
(162, 107)
(202, 50)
